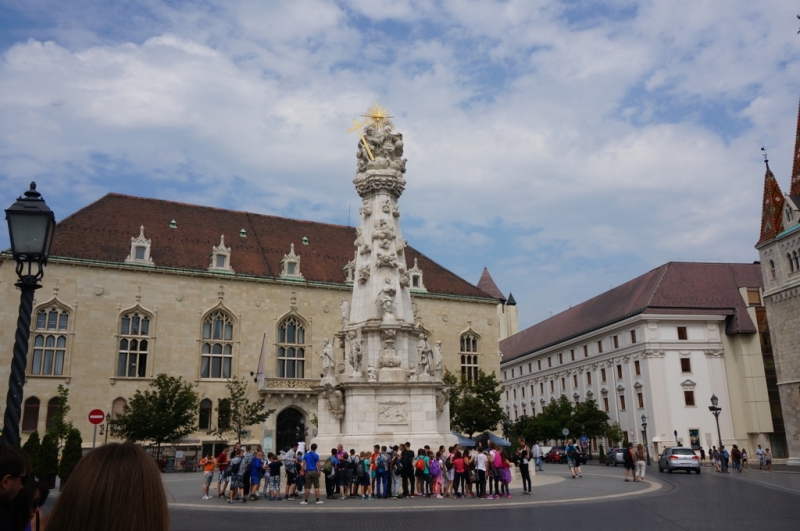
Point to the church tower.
(779, 250)
(507, 316)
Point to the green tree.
(615, 434)
(166, 412)
(48, 460)
(474, 404)
(59, 426)
(32, 448)
(555, 416)
(236, 412)
(73, 452)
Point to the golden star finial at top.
(378, 117)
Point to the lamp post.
(108, 426)
(715, 411)
(30, 225)
(646, 441)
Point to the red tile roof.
(103, 231)
(486, 283)
(674, 288)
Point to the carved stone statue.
(363, 274)
(442, 398)
(371, 374)
(386, 259)
(355, 352)
(344, 311)
(366, 209)
(425, 356)
(405, 278)
(412, 374)
(438, 360)
(328, 363)
(389, 357)
(386, 206)
(335, 400)
(386, 299)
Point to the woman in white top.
(480, 473)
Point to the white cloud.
(537, 145)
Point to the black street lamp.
(646, 442)
(715, 411)
(30, 225)
(107, 426)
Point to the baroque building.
(659, 345)
(778, 247)
(136, 287)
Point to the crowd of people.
(721, 459)
(384, 472)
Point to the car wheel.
(660, 469)
(669, 469)
(615, 462)
(606, 463)
(698, 470)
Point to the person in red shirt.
(209, 464)
(222, 480)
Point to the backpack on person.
(289, 463)
(233, 468)
(448, 463)
(397, 468)
(572, 452)
(435, 467)
(380, 467)
(360, 468)
(327, 467)
(420, 464)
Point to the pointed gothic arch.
(219, 332)
(292, 345)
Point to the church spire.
(487, 285)
(795, 190)
(772, 206)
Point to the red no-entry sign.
(96, 416)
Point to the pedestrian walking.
(536, 453)
(629, 461)
(760, 455)
(736, 459)
(702, 456)
(767, 460)
(745, 462)
(222, 477)
(640, 457)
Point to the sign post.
(96, 416)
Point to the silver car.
(678, 458)
(615, 456)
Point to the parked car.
(558, 455)
(678, 458)
(615, 456)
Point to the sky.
(566, 146)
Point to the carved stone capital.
(714, 352)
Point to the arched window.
(134, 345)
(772, 269)
(30, 415)
(291, 348)
(53, 410)
(796, 263)
(469, 358)
(118, 407)
(217, 349)
(50, 342)
(205, 414)
(791, 262)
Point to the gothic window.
(50, 342)
(205, 414)
(53, 411)
(772, 269)
(791, 262)
(469, 343)
(217, 349)
(415, 273)
(291, 348)
(134, 343)
(469, 366)
(794, 259)
(290, 265)
(30, 415)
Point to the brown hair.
(114, 488)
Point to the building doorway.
(290, 428)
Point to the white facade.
(653, 365)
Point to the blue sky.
(567, 146)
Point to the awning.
(466, 442)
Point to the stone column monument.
(387, 388)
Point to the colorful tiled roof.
(103, 230)
(486, 284)
(674, 288)
(795, 190)
(771, 208)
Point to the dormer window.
(140, 250)
(415, 274)
(220, 257)
(290, 265)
